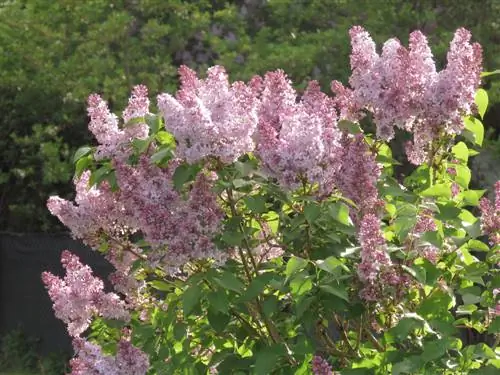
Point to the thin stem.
(374, 340)
(343, 333)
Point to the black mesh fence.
(24, 302)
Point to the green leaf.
(99, 175)
(477, 245)
(407, 325)
(311, 212)
(217, 320)
(81, 152)
(476, 129)
(331, 265)
(472, 197)
(265, 360)
(418, 272)
(487, 74)
(337, 290)
(190, 298)
(184, 173)
(270, 305)
(180, 330)
(257, 286)
(481, 100)
(340, 212)
(349, 127)
(272, 219)
(256, 203)
(233, 238)
(403, 225)
(494, 327)
(461, 152)
(229, 281)
(300, 284)
(165, 138)
(161, 285)
(294, 265)
(160, 155)
(218, 301)
(463, 175)
(82, 164)
(438, 191)
(154, 123)
(134, 121)
(141, 145)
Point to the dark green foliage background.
(54, 53)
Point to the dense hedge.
(53, 54)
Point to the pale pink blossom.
(490, 216)
(114, 141)
(90, 360)
(80, 296)
(402, 88)
(358, 175)
(297, 140)
(178, 228)
(210, 118)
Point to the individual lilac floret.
(80, 296)
(490, 216)
(297, 141)
(114, 141)
(90, 360)
(320, 366)
(210, 117)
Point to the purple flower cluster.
(179, 229)
(376, 270)
(320, 366)
(80, 296)
(90, 360)
(402, 88)
(210, 117)
(113, 141)
(425, 223)
(490, 216)
(358, 175)
(96, 210)
(297, 141)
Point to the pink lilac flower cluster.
(90, 359)
(425, 223)
(490, 216)
(320, 366)
(96, 209)
(402, 88)
(297, 141)
(376, 265)
(114, 141)
(210, 117)
(80, 296)
(358, 175)
(168, 220)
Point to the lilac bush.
(256, 230)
